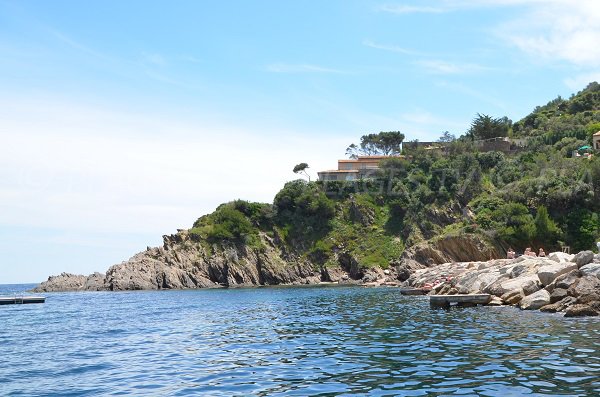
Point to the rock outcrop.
(182, 263)
(550, 284)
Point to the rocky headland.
(558, 283)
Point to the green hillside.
(538, 195)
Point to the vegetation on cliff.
(536, 195)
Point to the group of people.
(511, 254)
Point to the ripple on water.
(290, 341)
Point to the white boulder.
(535, 300)
(592, 269)
(547, 274)
(560, 257)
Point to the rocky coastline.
(560, 282)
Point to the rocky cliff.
(182, 263)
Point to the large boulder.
(529, 282)
(547, 274)
(586, 290)
(559, 306)
(95, 282)
(535, 300)
(513, 297)
(558, 294)
(583, 258)
(406, 268)
(591, 269)
(560, 257)
(581, 310)
(566, 280)
(476, 282)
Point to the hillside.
(431, 206)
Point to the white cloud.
(301, 68)
(444, 67)
(389, 47)
(558, 30)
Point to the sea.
(288, 341)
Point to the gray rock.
(566, 280)
(591, 269)
(583, 258)
(62, 282)
(581, 310)
(535, 300)
(560, 257)
(495, 301)
(559, 306)
(586, 290)
(547, 274)
(513, 297)
(530, 288)
(183, 263)
(558, 294)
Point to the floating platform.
(460, 300)
(21, 300)
(414, 291)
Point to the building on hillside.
(353, 169)
(596, 141)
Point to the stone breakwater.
(568, 284)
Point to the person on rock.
(529, 252)
(542, 254)
(510, 254)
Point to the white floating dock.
(460, 300)
(21, 300)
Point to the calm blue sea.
(317, 341)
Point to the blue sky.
(121, 121)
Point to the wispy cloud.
(443, 6)
(390, 47)
(444, 67)
(558, 30)
(301, 68)
(409, 9)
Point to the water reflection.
(292, 341)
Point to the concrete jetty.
(21, 300)
(445, 301)
(414, 291)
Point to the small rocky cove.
(560, 282)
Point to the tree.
(301, 169)
(546, 229)
(486, 127)
(384, 143)
(447, 137)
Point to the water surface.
(319, 341)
